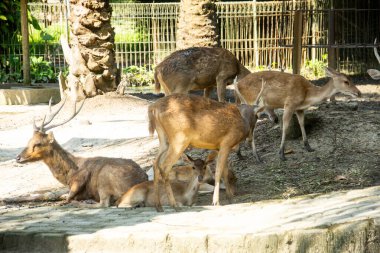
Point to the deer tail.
(157, 85)
(152, 124)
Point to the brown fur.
(188, 120)
(185, 181)
(198, 68)
(293, 93)
(102, 179)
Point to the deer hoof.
(258, 159)
(159, 209)
(308, 148)
(282, 155)
(177, 208)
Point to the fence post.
(25, 42)
(331, 40)
(297, 42)
(255, 44)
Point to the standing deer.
(198, 68)
(374, 73)
(185, 181)
(294, 94)
(187, 120)
(101, 179)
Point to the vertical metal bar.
(297, 42)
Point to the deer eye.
(37, 145)
(346, 83)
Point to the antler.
(376, 52)
(259, 100)
(374, 73)
(50, 116)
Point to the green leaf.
(2, 17)
(45, 36)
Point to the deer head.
(40, 145)
(343, 83)
(374, 73)
(200, 165)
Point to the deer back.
(205, 122)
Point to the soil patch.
(345, 136)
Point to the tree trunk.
(25, 42)
(91, 58)
(197, 24)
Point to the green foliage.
(12, 62)
(41, 71)
(9, 17)
(138, 76)
(315, 68)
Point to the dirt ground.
(345, 136)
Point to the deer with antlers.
(101, 179)
(182, 120)
(374, 73)
(293, 93)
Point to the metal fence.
(259, 34)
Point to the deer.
(102, 179)
(183, 120)
(207, 169)
(185, 181)
(374, 73)
(198, 68)
(294, 94)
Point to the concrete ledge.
(336, 222)
(19, 95)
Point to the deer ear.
(50, 137)
(187, 158)
(211, 156)
(330, 72)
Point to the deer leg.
(75, 188)
(272, 116)
(221, 166)
(254, 150)
(157, 172)
(221, 84)
(229, 191)
(238, 151)
(207, 91)
(156, 180)
(285, 124)
(105, 199)
(301, 120)
(171, 156)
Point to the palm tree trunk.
(91, 57)
(197, 24)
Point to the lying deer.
(188, 120)
(101, 179)
(374, 73)
(294, 94)
(207, 168)
(185, 181)
(198, 68)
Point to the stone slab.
(336, 222)
(29, 96)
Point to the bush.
(137, 76)
(41, 71)
(315, 68)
